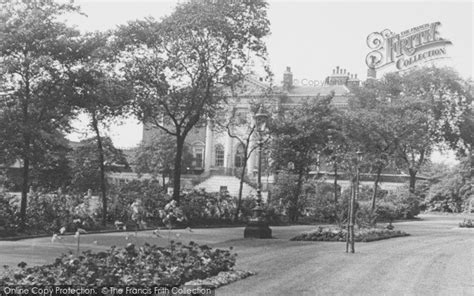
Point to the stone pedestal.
(257, 228)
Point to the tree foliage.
(299, 135)
(178, 66)
(156, 157)
(37, 52)
(85, 164)
(100, 94)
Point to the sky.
(311, 37)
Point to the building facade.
(218, 158)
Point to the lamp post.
(354, 195)
(257, 226)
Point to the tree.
(403, 116)
(36, 53)
(177, 66)
(374, 132)
(241, 127)
(157, 157)
(426, 106)
(85, 163)
(99, 94)
(298, 136)
(53, 171)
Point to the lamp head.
(261, 119)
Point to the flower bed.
(336, 234)
(146, 265)
(223, 278)
(467, 223)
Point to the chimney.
(371, 73)
(287, 79)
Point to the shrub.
(149, 192)
(467, 223)
(365, 218)
(8, 218)
(248, 204)
(48, 212)
(407, 204)
(45, 213)
(201, 207)
(387, 211)
(450, 189)
(146, 265)
(339, 234)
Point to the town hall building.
(218, 157)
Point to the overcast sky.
(312, 37)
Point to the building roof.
(312, 91)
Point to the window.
(198, 155)
(219, 156)
(239, 157)
(241, 117)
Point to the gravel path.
(437, 259)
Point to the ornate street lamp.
(257, 226)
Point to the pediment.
(249, 86)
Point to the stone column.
(228, 152)
(208, 148)
(252, 159)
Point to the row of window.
(198, 153)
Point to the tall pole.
(350, 239)
(349, 218)
(259, 175)
(257, 226)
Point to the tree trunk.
(335, 183)
(355, 186)
(100, 151)
(26, 154)
(241, 187)
(470, 160)
(412, 173)
(294, 213)
(24, 188)
(163, 179)
(177, 168)
(376, 185)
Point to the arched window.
(239, 157)
(219, 155)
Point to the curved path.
(438, 259)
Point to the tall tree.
(101, 95)
(374, 132)
(177, 65)
(426, 106)
(298, 136)
(36, 53)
